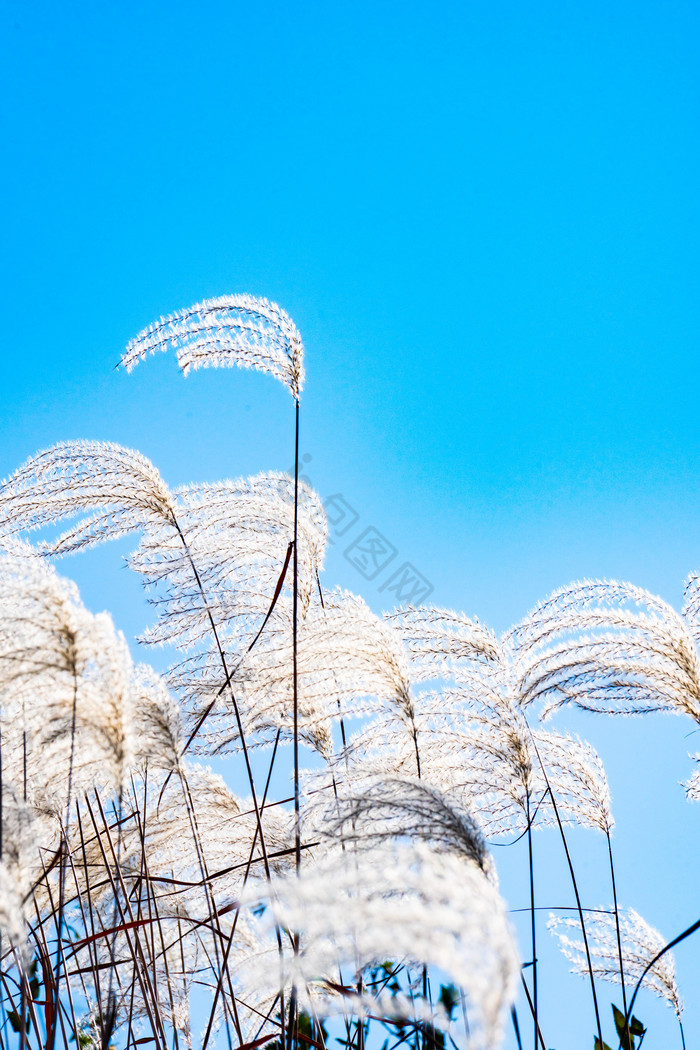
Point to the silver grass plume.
(354, 909)
(229, 330)
(237, 534)
(398, 808)
(119, 488)
(589, 644)
(502, 757)
(489, 764)
(640, 943)
(20, 866)
(65, 686)
(349, 663)
(578, 779)
(440, 641)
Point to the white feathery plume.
(236, 534)
(353, 909)
(397, 807)
(349, 663)
(158, 733)
(489, 763)
(229, 330)
(20, 864)
(119, 488)
(640, 943)
(439, 641)
(499, 759)
(626, 662)
(65, 686)
(577, 778)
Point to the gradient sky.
(483, 217)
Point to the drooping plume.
(65, 687)
(407, 903)
(441, 642)
(120, 490)
(396, 808)
(348, 664)
(592, 645)
(235, 536)
(230, 330)
(640, 943)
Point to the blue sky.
(482, 216)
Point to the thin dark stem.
(532, 1011)
(617, 926)
(234, 702)
(575, 886)
(671, 944)
(295, 604)
(516, 1027)
(532, 916)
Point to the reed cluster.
(143, 902)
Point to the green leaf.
(434, 1038)
(449, 997)
(597, 1045)
(636, 1027)
(619, 1019)
(623, 1029)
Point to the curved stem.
(575, 886)
(236, 710)
(671, 944)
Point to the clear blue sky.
(483, 216)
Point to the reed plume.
(229, 330)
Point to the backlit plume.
(146, 900)
(229, 330)
(640, 943)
